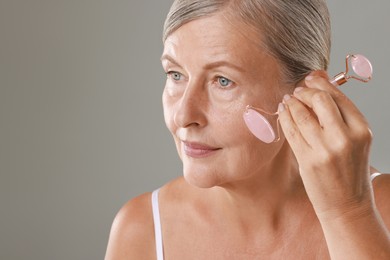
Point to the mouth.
(198, 150)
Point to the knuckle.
(304, 118)
(321, 97)
(342, 97)
(326, 157)
(342, 145)
(290, 132)
(338, 148)
(364, 134)
(332, 157)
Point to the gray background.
(81, 125)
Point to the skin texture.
(307, 196)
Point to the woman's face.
(214, 70)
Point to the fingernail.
(286, 97)
(297, 89)
(281, 107)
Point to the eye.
(176, 76)
(224, 82)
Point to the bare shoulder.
(381, 185)
(132, 231)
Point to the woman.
(306, 196)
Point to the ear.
(320, 73)
(317, 73)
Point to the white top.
(157, 223)
(157, 226)
(374, 175)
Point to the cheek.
(230, 123)
(168, 111)
(233, 132)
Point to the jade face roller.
(261, 127)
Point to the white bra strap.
(157, 225)
(374, 175)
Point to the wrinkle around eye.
(174, 75)
(175, 83)
(228, 82)
(216, 82)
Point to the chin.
(201, 178)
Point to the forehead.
(216, 38)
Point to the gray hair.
(295, 32)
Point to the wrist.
(358, 230)
(348, 212)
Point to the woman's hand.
(331, 140)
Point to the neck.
(266, 199)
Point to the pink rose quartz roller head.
(360, 65)
(262, 128)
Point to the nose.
(192, 107)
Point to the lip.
(198, 150)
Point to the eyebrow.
(170, 59)
(211, 65)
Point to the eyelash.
(230, 82)
(170, 74)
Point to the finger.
(349, 112)
(305, 120)
(324, 107)
(291, 130)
